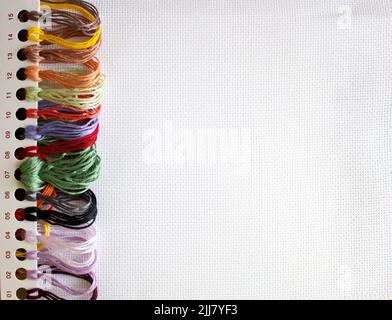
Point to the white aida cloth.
(246, 149)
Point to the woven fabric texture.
(246, 149)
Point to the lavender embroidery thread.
(47, 273)
(80, 250)
(61, 130)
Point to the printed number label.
(7, 134)
(9, 75)
(10, 56)
(8, 115)
(7, 216)
(7, 195)
(7, 175)
(8, 254)
(7, 235)
(10, 16)
(8, 275)
(7, 155)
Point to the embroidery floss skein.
(87, 77)
(61, 130)
(63, 113)
(70, 252)
(41, 54)
(49, 275)
(39, 35)
(72, 212)
(71, 173)
(57, 238)
(68, 24)
(83, 98)
(38, 294)
(65, 261)
(49, 191)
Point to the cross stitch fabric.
(293, 198)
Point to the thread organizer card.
(10, 26)
(247, 150)
(51, 91)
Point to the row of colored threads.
(58, 170)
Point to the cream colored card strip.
(10, 44)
